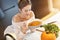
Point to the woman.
(25, 11)
(20, 20)
(25, 15)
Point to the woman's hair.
(23, 3)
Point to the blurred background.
(41, 8)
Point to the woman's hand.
(24, 28)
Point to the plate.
(33, 36)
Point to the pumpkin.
(48, 36)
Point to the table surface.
(36, 36)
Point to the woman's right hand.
(24, 28)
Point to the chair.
(8, 8)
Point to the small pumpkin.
(48, 36)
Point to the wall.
(40, 8)
(56, 4)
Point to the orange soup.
(35, 23)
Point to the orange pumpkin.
(48, 36)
